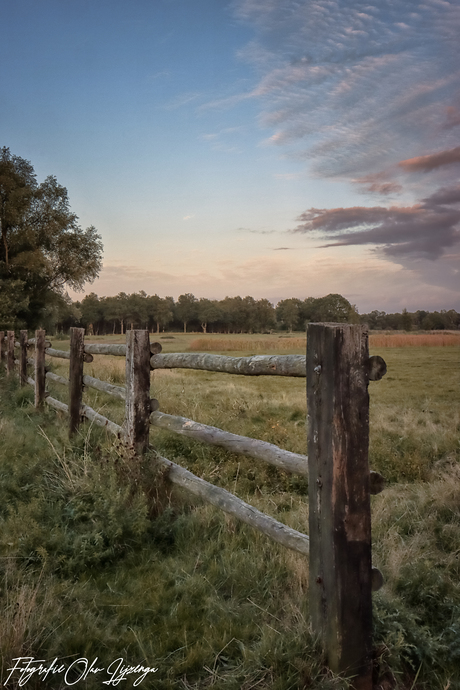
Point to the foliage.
(42, 247)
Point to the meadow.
(97, 563)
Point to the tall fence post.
(40, 372)
(2, 346)
(339, 497)
(137, 415)
(10, 355)
(77, 354)
(23, 338)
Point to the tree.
(208, 312)
(186, 309)
(288, 311)
(334, 308)
(161, 310)
(42, 249)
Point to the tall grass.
(255, 344)
(297, 343)
(414, 340)
(99, 567)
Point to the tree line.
(114, 315)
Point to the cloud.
(379, 183)
(257, 232)
(432, 161)
(423, 230)
(188, 217)
(281, 249)
(352, 87)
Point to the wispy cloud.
(423, 230)
(351, 86)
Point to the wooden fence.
(338, 369)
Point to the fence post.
(23, 338)
(77, 354)
(40, 372)
(2, 347)
(339, 497)
(10, 356)
(137, 415)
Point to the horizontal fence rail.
(258, 365)
(268, 452)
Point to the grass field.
(94, 566)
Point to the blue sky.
(274, 148)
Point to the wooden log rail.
(268, 452)
(258, 365)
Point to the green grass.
(93, 565)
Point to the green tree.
(42, 249)
(334, 308)
(264, 315)
(288, 312)
(92, 313)
(208, 312)
(161, 310)
(186, 309)
(406, 320)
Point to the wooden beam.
(101, 349)
(77, 345)
(10, 353)
(63, 354)
(226, 501)
(100, 420)
(259, 365)
(268, 452)
(137, 409)
(115, 391)
(23, 358)
(40, 371)
(339, 497)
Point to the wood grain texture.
(137, 409)
(23, 358)
(39, 368)
(10, 352)
(268, 452)
(226, 501)
(258, 365)
(339, 497)
(77, 344)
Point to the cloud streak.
(423, 230)
(431, 162)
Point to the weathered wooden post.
(10, 355)
(137, 411)
(40, 371)
(339, 497)
(23, 338)
(77, 355)
(2, 346)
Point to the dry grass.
(244, 344)
(414, 340)
(298, 343)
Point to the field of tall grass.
(96, 563)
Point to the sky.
(272, 148)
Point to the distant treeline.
(114, 315)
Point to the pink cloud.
(432, 161)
